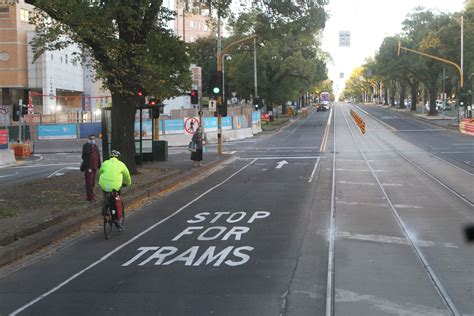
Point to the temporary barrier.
(466, 126)
(22, 150)
(359, 121)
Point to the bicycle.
(110, 213)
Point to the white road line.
(106, 256)
(279, 157)
(356, 183)
(388, 307)
(393, 240)
(420, 130)
(296, 127)
(363, 111)
(9, 175)
(314, 171)
(457, 152)
(330, 293)
(432, 275)
(59, 170)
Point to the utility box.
(160, 150)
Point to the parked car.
(440, 105)
(407, 102)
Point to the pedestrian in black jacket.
(90, 164)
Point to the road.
(316, 219)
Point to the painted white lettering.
(142, 250)
(187, 257)
(160, 255)
(209, 256)
(199, 218)
(244, 257)
(218, 215)
(187, 231)
(219, 229)
(259, 214)
(240, 216)
(238, 231)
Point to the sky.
(369, 22)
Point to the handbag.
(192, 147)
(83, 166)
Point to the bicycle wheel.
(108, 222)
(122, 220)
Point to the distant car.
(440, 106)
(322, 107)
(407, 102)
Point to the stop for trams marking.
(205, 231)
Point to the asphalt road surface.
(316, 219)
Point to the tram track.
(435, 280)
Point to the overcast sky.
(369, 22)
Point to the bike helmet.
(115, 153)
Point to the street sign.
(344, 39)
(30, 109)
(191, 124)
(212, 105)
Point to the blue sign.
(255, 117)
(227, 122)
(57, 131)
(146, 129)
(174, 126)
(210, 124)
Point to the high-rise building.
(14, 27)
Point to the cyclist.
(113, 174)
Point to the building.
(14, 27)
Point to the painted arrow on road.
(281, 164)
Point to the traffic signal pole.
(219, 98)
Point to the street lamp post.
(224, 57)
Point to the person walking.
(198, 139)
(90, 164)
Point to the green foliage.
(289, 61)
(128, 42)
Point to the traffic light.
(194, 97)
(16, 113)
(140, 97)
(24, 110)
(256, 103)
(216, 83)
(155, 109)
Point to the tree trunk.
(403, 92)
(385, 94)
(123, 128)
(433, 90)
(414, 96)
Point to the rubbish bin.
(160, 150)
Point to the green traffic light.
(216, 90)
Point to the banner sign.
(210, 124)
(57, 131)
(227, 122)
(174, 126)
(255, 117)
(3, 139)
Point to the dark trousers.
(90, 183)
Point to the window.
(24, 15)
(52, 57)
(4, 10)
(66, 60)
(61, 59)
(191, 23)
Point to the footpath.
(37, 213)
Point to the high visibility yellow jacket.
(112, 174)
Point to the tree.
(130, 47)
(290, 62)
